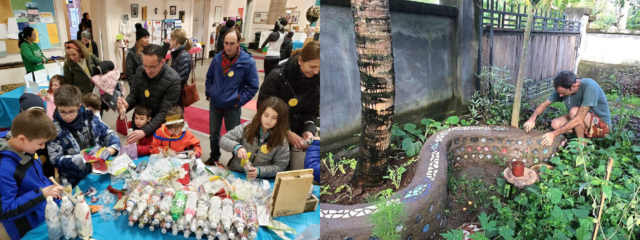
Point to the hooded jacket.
(133, 62)
(162, 138)
(164, 93)
(21, 195)
(84, 132)
(181, 63)
(74, 74)
(223, 90)
(280, 83)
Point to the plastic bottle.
(178, 205)
(83, 218)
(52, 217)
(131, 220)
(190, 206)
(155, 199)
(219, 230)
(165, 204)
(202, 210)
(174, 229)
(187, 233)
(252, 220)
(227, 213)
(214, 211)
(205, 228)
(144, 198)
(232, 233)
(181, 223)
(140, 223)
(163, 228)
(133, 198)
(156, 219)
(242, 235)
(168, 221)
(68, 219)
(193, 225)
(199, 233)
(240, 216)
(67, 187)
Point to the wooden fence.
(553, 47)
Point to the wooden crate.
(290, 192)
(311, 204)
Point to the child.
(141, 116)
(78, 129)
(93, 103)
(264, 137)
(32, 101)
(172, 137)
(24, 188)
(54, 83)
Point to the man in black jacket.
(155, 84)
(220, 39)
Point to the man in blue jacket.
(232, 81)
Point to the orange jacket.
(163, 138)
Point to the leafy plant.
(351, 162)
(493, 103)
(411, 161)
(385, 193)
(464, 122)
(388, 212)
(325, 190)
(395, 175)
(409, 140)
(350, 193)
(332, 165)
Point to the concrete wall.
(428, 67)
(618, 47)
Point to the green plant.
(467, 122)
(384, 193)
(395, 175)
(332, 165)
(493, 103)
(349, 193)
(432, 126)
(387, 212)
(325, 190)
(409, 140)
(351, 162)
(411, 161)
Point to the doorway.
(74, 16)
(198, 21)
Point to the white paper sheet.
(41, 77)
(54, 71)
(12, 28)
(3, 31)
(46, 17)
(3, 49)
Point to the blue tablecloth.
(119, 229)
(10, 106)
(297, 44)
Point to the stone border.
(427, 188)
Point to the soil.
(460, 211)
(361, 195)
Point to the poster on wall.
(12, 29)
(295, 16)
(32, 5)
(240, 12)
(3, 31)
(20, 13)
(33, 15)
(46, 17)
(260, 17)
(22, 25)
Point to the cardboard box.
(290, 192)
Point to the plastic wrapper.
(144, 198)
(226, 214)
(130, 150)
(108, 214)
(197, 169)
(202, 209)
(120, 205)
(67, 219)
(277, 225)
(155, 199)
(246, 164)
(127, 175)
(239, 215)
(190, 206)
(177, 209)
(52, 217)
(215, 206)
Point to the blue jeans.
(231, 120)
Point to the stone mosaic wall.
(425, 197)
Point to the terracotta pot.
(517, 168)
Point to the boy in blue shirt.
(24, 187)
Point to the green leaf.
(579, 161)
(557, 213)
(453, 120)
(556, 195)
(582, 187)
(486, 225)
(410, 127)
(635, 148)
(607, 191)
(630, 223)
(427, 122)
(506, 232)
(453, 234)
(583, 233)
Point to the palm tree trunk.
(515, 114)
(377, 83)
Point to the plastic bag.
(131, 150)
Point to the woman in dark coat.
(180, 57)
(79, 65)
(298, 84)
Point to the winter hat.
(230, 23)
(29, 101)
(141, 32)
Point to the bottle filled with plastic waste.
(190, 207)
(155, 200)
(177, 209)
(83, 218)
(52, 217)
(215, 205)
(239, 216)
(68, 219)
(165, 204)
(202, 209)
(226, 215)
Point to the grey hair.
(86, 34)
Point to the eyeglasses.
(70, 113)
(152, 68)
(229, 43)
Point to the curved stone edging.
(425, 197)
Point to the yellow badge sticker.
(231, 74)
(146, 93)
(293, 102)
(264, 149)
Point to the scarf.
(226, 62)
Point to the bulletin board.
(38, 14)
